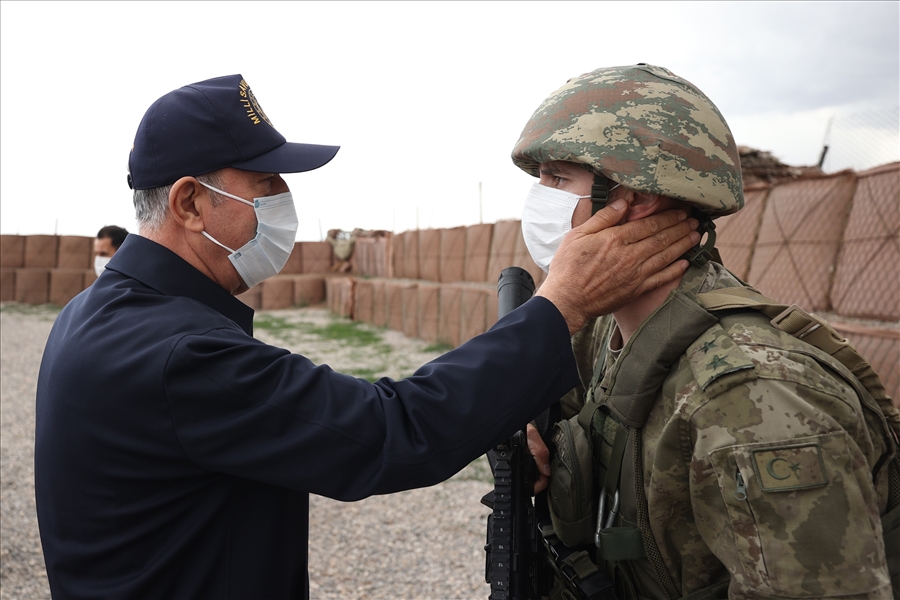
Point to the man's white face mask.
(267, 253)
(100, 263)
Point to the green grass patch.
(271, 323)
(350, 333)
(344, 332)
(279, 326)
(438, 347)
(382, 349)
(371, 375)
(15, 308)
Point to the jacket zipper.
(741, 492)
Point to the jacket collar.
(159, 268)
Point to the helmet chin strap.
(699, 255)
(599, 193)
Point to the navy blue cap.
(212, 125)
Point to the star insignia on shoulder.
(707, 346)
(717, 361)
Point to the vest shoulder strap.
(646, 359)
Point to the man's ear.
(184, 202)
(644, 205)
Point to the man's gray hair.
(151, 206)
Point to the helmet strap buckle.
(599, 193)
(699, 255)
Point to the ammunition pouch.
(571, 496)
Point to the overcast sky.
(426, 99)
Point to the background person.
(181, 465)
(108, 240)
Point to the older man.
(181, 466)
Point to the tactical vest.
(591, 449)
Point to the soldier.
(707, 453)
(108, 240)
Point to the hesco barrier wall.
(45, 269)
(830, 244)
(50, 269)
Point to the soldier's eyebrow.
(562, 169)
(552, 170)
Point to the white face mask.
(267, 253)
(100, 264)
(546, 218)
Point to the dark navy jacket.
(174, 453)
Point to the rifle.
(512, 565)
(520, 562)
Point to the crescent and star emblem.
(770, 468)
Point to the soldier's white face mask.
(546, 218)
(267, 253)
(100, 264)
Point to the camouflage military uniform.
(751, 464)
(747, 403)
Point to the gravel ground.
(420, 544)
(23, 333)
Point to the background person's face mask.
(546, 218)
(100, 263)
(267, 253)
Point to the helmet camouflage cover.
(643, 127)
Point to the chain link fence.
(862, 140)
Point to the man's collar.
(159, 268)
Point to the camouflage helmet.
(643, 127)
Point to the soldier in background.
(342, 245)
(708, 454)
(108, 240)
